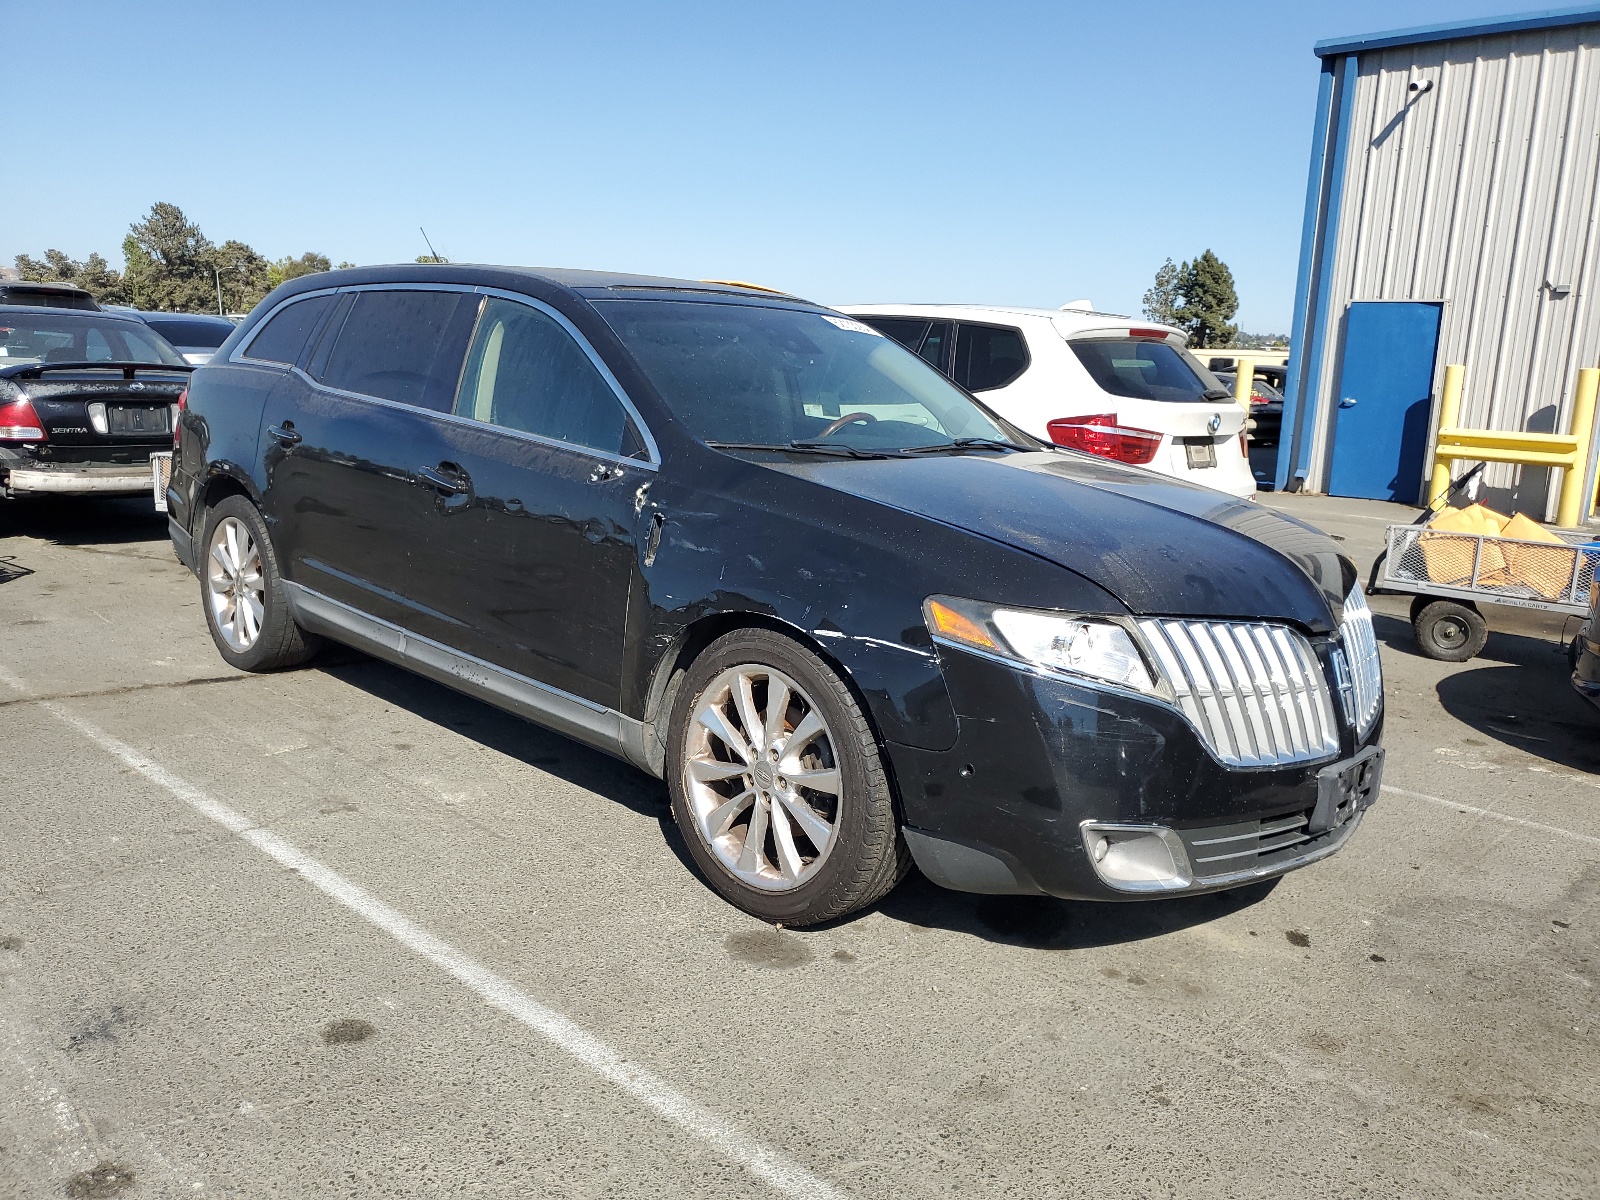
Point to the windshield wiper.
(1216, 394)
(835, 449)
(966, 443)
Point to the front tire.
(242, 592)
(778, 785)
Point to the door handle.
(452, 483)
(1348, 402)
(284, 434)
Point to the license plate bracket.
(137, 419)
(1201, 452)
(1345, 789)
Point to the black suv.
(756, 548)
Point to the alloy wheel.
(234, 585)
(762, 778)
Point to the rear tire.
(1449, 631)
(242, 592)
(778, 785)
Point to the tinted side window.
(935, 345)
(907, 331)
(525, 372)
(989, 356)
(283, 335)
(403, 346)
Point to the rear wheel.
(242, 591)
(777, 783)
(1448, 630)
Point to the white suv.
(1109, 385)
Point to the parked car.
(1586, 651)
(47, 295)
(1117, 388)
(754, 547)
(86, 400)
(1266, 402)
(196, 336)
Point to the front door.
(535, 570)
(1384, 400)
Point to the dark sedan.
(756, 548)
(87, 401)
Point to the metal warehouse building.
(1452, 216)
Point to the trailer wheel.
(1449, 630)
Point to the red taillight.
(18, 423)
(1156, 333)
(1101, 435)
(177, 415)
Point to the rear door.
(352, 447)
(1385, 400)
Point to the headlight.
(1092, 646)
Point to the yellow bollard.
(1244, 377)
(1570, 512)
(1449, 418)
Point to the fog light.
(1137, 858)
(97, 418)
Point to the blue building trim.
(1549, 18)
(1315, 176)
(1326, 253)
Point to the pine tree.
(1206, 301)
(1161, 301)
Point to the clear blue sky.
(992, 152)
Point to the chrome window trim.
(241, 353)
(652, 448)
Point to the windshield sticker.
(850, 326)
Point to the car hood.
(1161, 546)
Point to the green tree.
(432, 258)
(1161, 301)
(243, 276)
(169, 262)
(1206, 301)
(308, 263)
(94, 275)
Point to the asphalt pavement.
(342, 932)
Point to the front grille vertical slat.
(1366, 669)
(1256, 693)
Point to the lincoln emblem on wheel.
(852, 618)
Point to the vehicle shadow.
(83, 521)
(500, 731)
(1045, 923)
(1529, 706)
(1034, 922)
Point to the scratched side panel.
(848, 573)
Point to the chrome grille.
(1255, 692)
(1366, 671)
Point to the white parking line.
(765, 1163)
(1498, 816)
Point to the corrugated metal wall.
(1482, 191)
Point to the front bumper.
(1038, 755)
(80, 479)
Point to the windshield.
(771, 376)
(1144, 370)
(57, 337)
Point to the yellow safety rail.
(1568, 451)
